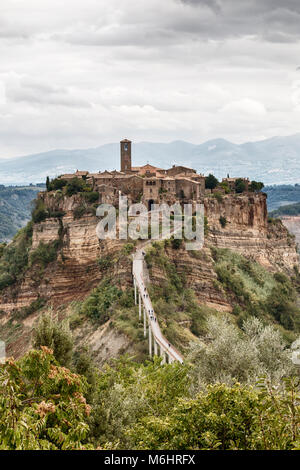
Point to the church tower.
(125, 148)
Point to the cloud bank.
(77, 74)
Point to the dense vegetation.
(279, 195)
(149, 406)
(256, 292)
(14, 257)
(15, 208)
(17, 257)
(290, 209)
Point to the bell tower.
(125, 148)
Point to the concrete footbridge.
(158, 344)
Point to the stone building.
(148, 183)
(232, 181)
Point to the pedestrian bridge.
(158, 344)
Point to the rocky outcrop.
(76, 270)
(237, 222)
(247, 230)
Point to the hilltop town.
(151, 185)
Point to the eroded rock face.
(76, 270)
(248, 231)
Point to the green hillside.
(15, 208)
(290, 209)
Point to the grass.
(178, 312)
(252, 290)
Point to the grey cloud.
(213, 4)
(271, 20)
(43, 94)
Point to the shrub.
(218, 196)
(225, 186)
(223, 221)
(98, 303)
(176, 243)
(32, 308)
(226, 418)
(228, 354)
(77, 185)
(256, 186)
(206, 226)
(79, 211)
(39, 213)
(14, 260)
(56, 336)
(42, 405)
(104, 263)
(128, 248)
(240, 185)
(45, 253)
(91, 197)
(56, 184)
(2, 247)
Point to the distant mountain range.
(273, 161)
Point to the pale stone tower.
(125, 148)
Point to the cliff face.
(248, 231)
(76, 270)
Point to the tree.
(227, 418)
(75, 186)
(55, 335)
(256, 186)
(240, 185)
(42, 406)
(211, 182)
(231, 355)
(48, 183)
(39, 213)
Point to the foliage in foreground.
(227, 418)
(140, 406)
(42, 406)
(228, 354)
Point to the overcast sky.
(80, 73)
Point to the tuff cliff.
(237, 222)
(248, 230)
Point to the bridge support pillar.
(163, 355)
(150, 341)
(140, 307)
(145, 323)
(155, 347)
(134, 283)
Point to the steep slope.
(63, 261)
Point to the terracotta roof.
(181, 166)
(127, 176)
(178, 177)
